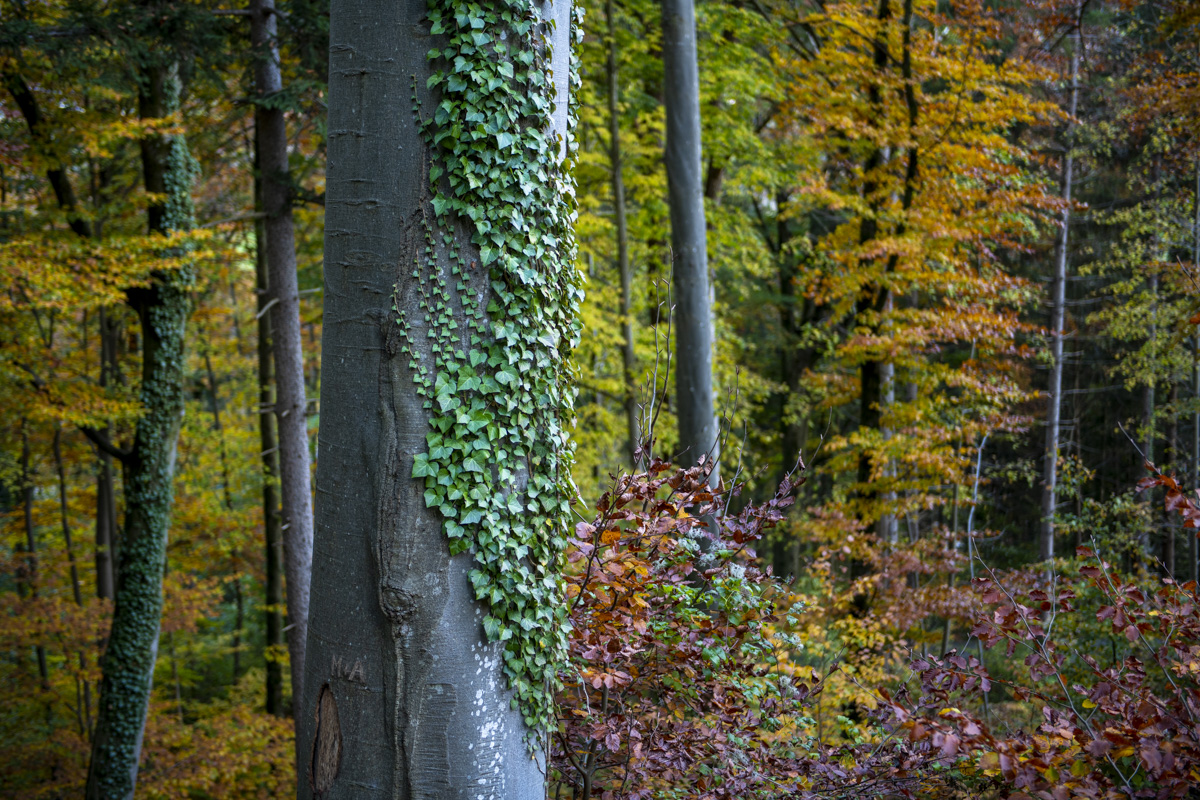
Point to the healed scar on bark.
(327, 744)
(412, 555)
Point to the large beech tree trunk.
(149, 467)
(685, 188)
(405, 696)
(1058, 299)
(295, 484)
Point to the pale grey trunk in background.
(628, 357)
(1193, 544)
(1149, 402)
(685, 186)
(405, 697)
(295, 482)
(887, 528)
(1057, 322)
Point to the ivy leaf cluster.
(497, 465)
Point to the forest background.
(954, 251)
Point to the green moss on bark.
(128, 664)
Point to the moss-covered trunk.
(149, 466)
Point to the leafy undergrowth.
(686, 678)
(676, 686)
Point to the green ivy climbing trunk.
(450, 288)
(149, 466)
(685, 187)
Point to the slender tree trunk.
(1058, 303)
(31, 563)
(1172, 463)
(56, 172)
(695, 406)
(873, 296)
(887, 528)
(295, 481)
(273, 536)
(1193, 543)
(106, 492)
(64, 517)
(405, 695)
(128, 663)
(628, 358)
(1149, 434)
(1149, 401)
(83, 687)
(794, 357)
(877, 375)
(227, 495)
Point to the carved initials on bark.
(341, 669)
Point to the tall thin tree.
(272, 525)
(1193, 541)
(695, 405)
(628, 357)
(295, 481)
(1058, 301)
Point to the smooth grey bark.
(887, 528)
(295, 480)
(404, 695)
(695, 407)
(1057, 321)
(628, 357)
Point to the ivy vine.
(499, 394)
